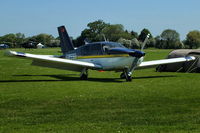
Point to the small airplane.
(101, 56)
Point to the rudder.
(65, 41)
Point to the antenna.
(104, 37)
(87, 41)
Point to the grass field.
(35, 99)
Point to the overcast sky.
(32, 17)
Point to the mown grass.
(35, 99)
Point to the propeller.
(134, 53)
(145, 42)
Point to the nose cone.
(138, 54)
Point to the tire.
(84, 77)
(128, 78)
(122, 76)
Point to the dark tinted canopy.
(97, 48)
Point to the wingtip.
(9, 53)
(189, 58)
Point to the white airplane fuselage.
(114, 63)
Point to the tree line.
(102, 31)
(18, 40)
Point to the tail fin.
(65, 41)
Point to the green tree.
(143, 35)
(9, 39)
(133, 43)
(45, 39)
(13, 40)
(193, 39)
(171, 35)
(158, 42)
(20, 39)
(170, 39)
(115, 32)
(94, 30)
(134, 34)
(78, 41)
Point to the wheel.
(84, 77)
(128, 78)
(127, 75)
(122, 76)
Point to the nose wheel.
(128, 71)
(129, 78)
(126, 75)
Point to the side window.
(91, 49)
(85, 50)
(95, 49)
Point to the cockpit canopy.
(97, 48)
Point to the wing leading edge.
(54, 62)
(148, 64)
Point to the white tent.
(40, 45)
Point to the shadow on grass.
(65, 77)
(149, 77)
(59, 78)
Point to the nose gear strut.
(127, 73)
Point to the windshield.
(113, 45)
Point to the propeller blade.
(145, 42)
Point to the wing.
(55, 62)
(148, 64)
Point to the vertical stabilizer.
(65, 41)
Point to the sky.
(33, 17)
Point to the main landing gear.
(84, 74)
